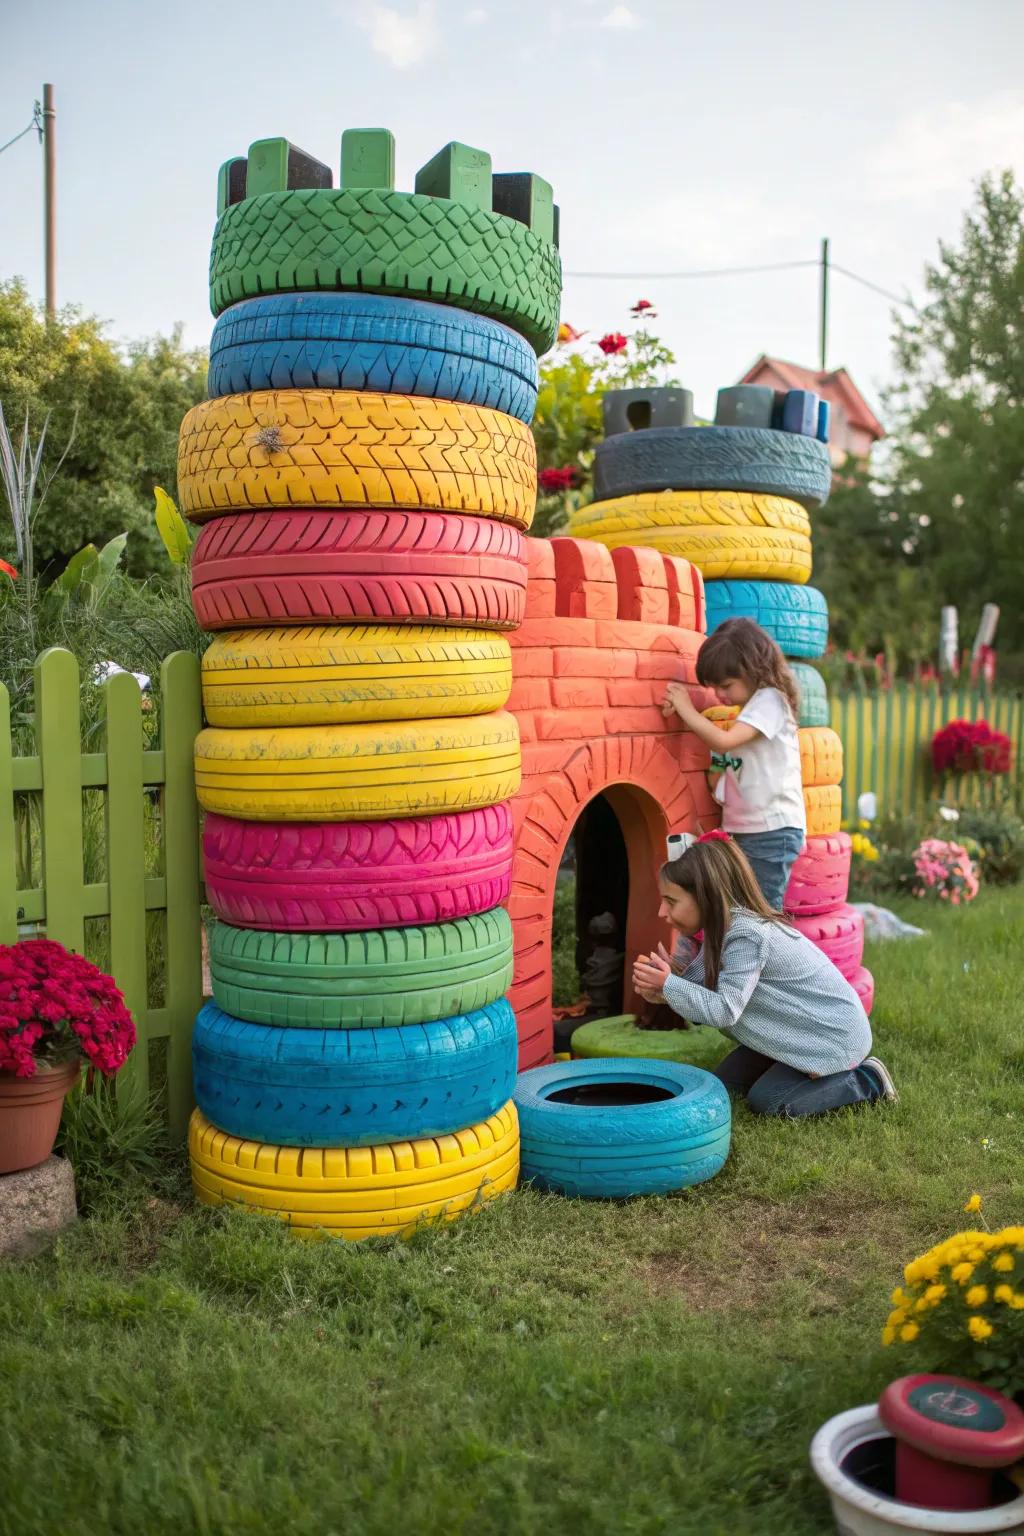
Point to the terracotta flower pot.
(30, 1109)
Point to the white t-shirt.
(765, 792)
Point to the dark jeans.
(772, 1088)
(771, 855)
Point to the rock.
(35, 1205)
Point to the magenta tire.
(297, 567)
(337, 877)
(840, 935)
(863, 984)
(820, 878)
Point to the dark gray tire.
(713, 459)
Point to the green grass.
(547, 1366)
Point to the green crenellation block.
(231, 183)
(459, 173)
(526, 198)
(277, 166)
(368, 158)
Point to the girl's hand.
(677, 701)
(650, 973)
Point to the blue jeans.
(772, 1088)
(771, 855)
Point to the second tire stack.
(364, 470)
(735, 499)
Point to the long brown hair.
(741, 648)
(718, 877)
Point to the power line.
(36, 123)
(642, 277)
(866, 283)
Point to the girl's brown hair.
(741, 648)
(716, 874)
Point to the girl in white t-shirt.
(758, 757)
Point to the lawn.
(547, 1366)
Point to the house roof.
(832, 384)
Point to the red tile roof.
(832, 384)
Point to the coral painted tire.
(839, 935)
(257, 568)
(344, 877)
(820, 878)
(340, 448)
(357, 1192)
(669, 1130)
(353, 1088)
(382, 978)
(368, 341)
(341, 675)
(358, 772)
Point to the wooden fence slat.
(181, 719)
(8, 857)
(126, 862)
(59, 743)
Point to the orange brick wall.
(604, 631)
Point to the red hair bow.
(716, 835)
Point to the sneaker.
(885, 1082)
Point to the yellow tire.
(724, 533)
(340, 448)
(821, 756)
(340, 675)
(356, 1192)
(358, 772)
(824, 806)
(650, 510)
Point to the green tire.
(619, 1036)
(814, 707)
(369, 240)
(377, 978)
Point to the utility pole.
(50, 198)
(823, 332)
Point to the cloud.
(620, 19)
(402, 37)
(938, 151)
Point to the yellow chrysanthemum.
(962, 1273)
(973, 1204)
(977, 1296)
(934, 1294)
(909, 1332)
(888, 1335)
(1017, 1301)
(1004, 1263)
(979, 1329)
(896, 1317)
(1003, 1293)
(899, 1297)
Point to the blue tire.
(795, 617)
(353, 1087)
(661, 1126)
(370, 342)
(814, 706)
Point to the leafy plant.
(111, 1136)
(999, 832)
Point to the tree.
(124, 408)
(949, 514)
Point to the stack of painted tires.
(735, 499)
(363, 472)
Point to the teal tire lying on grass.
(615, 1128)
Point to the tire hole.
(610, 1095)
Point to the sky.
(679, 135)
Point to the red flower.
(641, 307)
(559, 479)
(8, 570)
(612, 343)
(970, 746)
(62, 1004)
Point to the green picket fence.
(100, 851)
(887, 736)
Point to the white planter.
(860, 1512)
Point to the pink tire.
(840, 935)
(863, 984)
(336, 877)
(820, 877)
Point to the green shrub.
(114, 1138)
(999, 833)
